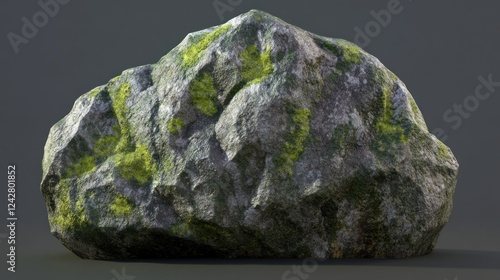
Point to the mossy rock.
(250, 139)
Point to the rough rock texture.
(251, 139)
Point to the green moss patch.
(175, 125)
(385, 124)
(105, 146)
(119, 99)
(134, 162)
(389, 132)
(204, 94)
(192, 54)
(442, 149)
(93, 93)
(351, 52)
(414, 106)
(121, 206)
(66, 215)
(347, 53)
(120, 102)
(256, 66)
(137, 165)
(294, 145)
(84, 166)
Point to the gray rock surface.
(251, 139)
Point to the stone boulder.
(250, 139)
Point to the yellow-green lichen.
(65, 214)
(347, 54)
(137, 165)
(113, 80)
(389, 132)
(134, 162)
(204, 94)
(175, 125)
(256, 65)
(93, 93)
(442, 149)
(414, 106)
(85, 165)
(121, 206)
(105, 146)
(294, 145)
(351, 52)
(193, 53)
(119, 99)
(385, 124)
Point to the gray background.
(437, 49)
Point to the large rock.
(251, 139)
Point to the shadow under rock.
(439, 258)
